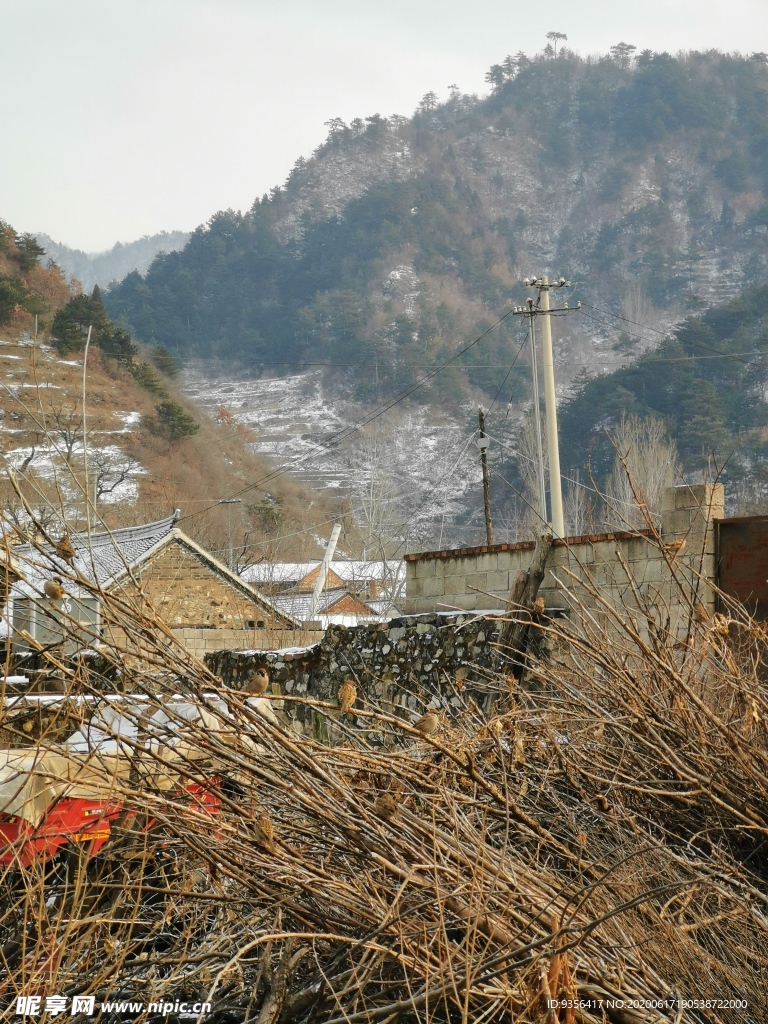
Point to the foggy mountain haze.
(132, 118)
(104, 267)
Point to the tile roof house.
(355, 590)
(206, 604)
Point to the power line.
(569, 479)
(347, 431)
(511, 368)
(626, 320)
(701, 344)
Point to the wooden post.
(486, 481)
(514, 634)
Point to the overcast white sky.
(120, 118)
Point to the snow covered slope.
(411, 472)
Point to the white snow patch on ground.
(130, 421)
(432, 475)
(403, 282)
(113, 470)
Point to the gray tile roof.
(100, 558)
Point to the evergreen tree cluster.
(19, 255)
(708, 382)
(241, 290)
(75, 316)
(70, 333)
(71, 324)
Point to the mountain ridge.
(646, 181)
(101, 268)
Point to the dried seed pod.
(53, 589)
(720, 625)
(259, 682)
(700, 613)
(265, 833)
(384, 806)
(64, 549)
(675, 547)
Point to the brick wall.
(481, 578)
(201, 641)
(188, 592)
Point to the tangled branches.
(598, 836)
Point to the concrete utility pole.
(324, 566)
(553, 443)
(543, 310)
(482, 444)
(537, 418)
(229, 502)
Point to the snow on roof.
(300, 605)
(347, 569)
(104, 557)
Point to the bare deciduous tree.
(651, 458)
(65, 429)
(528, 467)
(576, 506)
(108, 469)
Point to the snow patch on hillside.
(111, 470)
(417, 467)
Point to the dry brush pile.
(596, 833)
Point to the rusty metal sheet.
(742, 562)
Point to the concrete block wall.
(481, 578)
(200, 640)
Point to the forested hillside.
(708, 384)
(643, 178)
(147, 449)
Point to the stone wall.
(402, 666)
(481, 578)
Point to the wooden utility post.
(514, 633)
(483, 445)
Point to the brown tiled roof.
(526, 545)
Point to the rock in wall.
(401, 667)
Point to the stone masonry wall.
(478, 578)
(403, 667)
